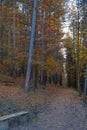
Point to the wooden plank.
(13, 115)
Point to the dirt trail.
(64, 111)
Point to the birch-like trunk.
(30, 56)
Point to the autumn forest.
(43, 56)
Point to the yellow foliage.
(52, 66)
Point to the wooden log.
(22, 116)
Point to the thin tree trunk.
(43, 82)
(34, 83)
(14, 24)
(77, 54)
(42, 70)
(29, 64)
(85, 85)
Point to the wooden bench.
(4, 125)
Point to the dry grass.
(13, 99)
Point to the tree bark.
(85, 85)
(29, 64)
(34, 83)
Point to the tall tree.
(28, 73)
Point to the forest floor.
(54, 108)
(64, 110)
(14, 99)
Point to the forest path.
(64, 110)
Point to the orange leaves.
(43, 38)
(40, 51)
(2, 68)
(40, 63)
(52, 66)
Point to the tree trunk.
(34, 82)
(29, 64)
(77, 54)
(85, 85)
